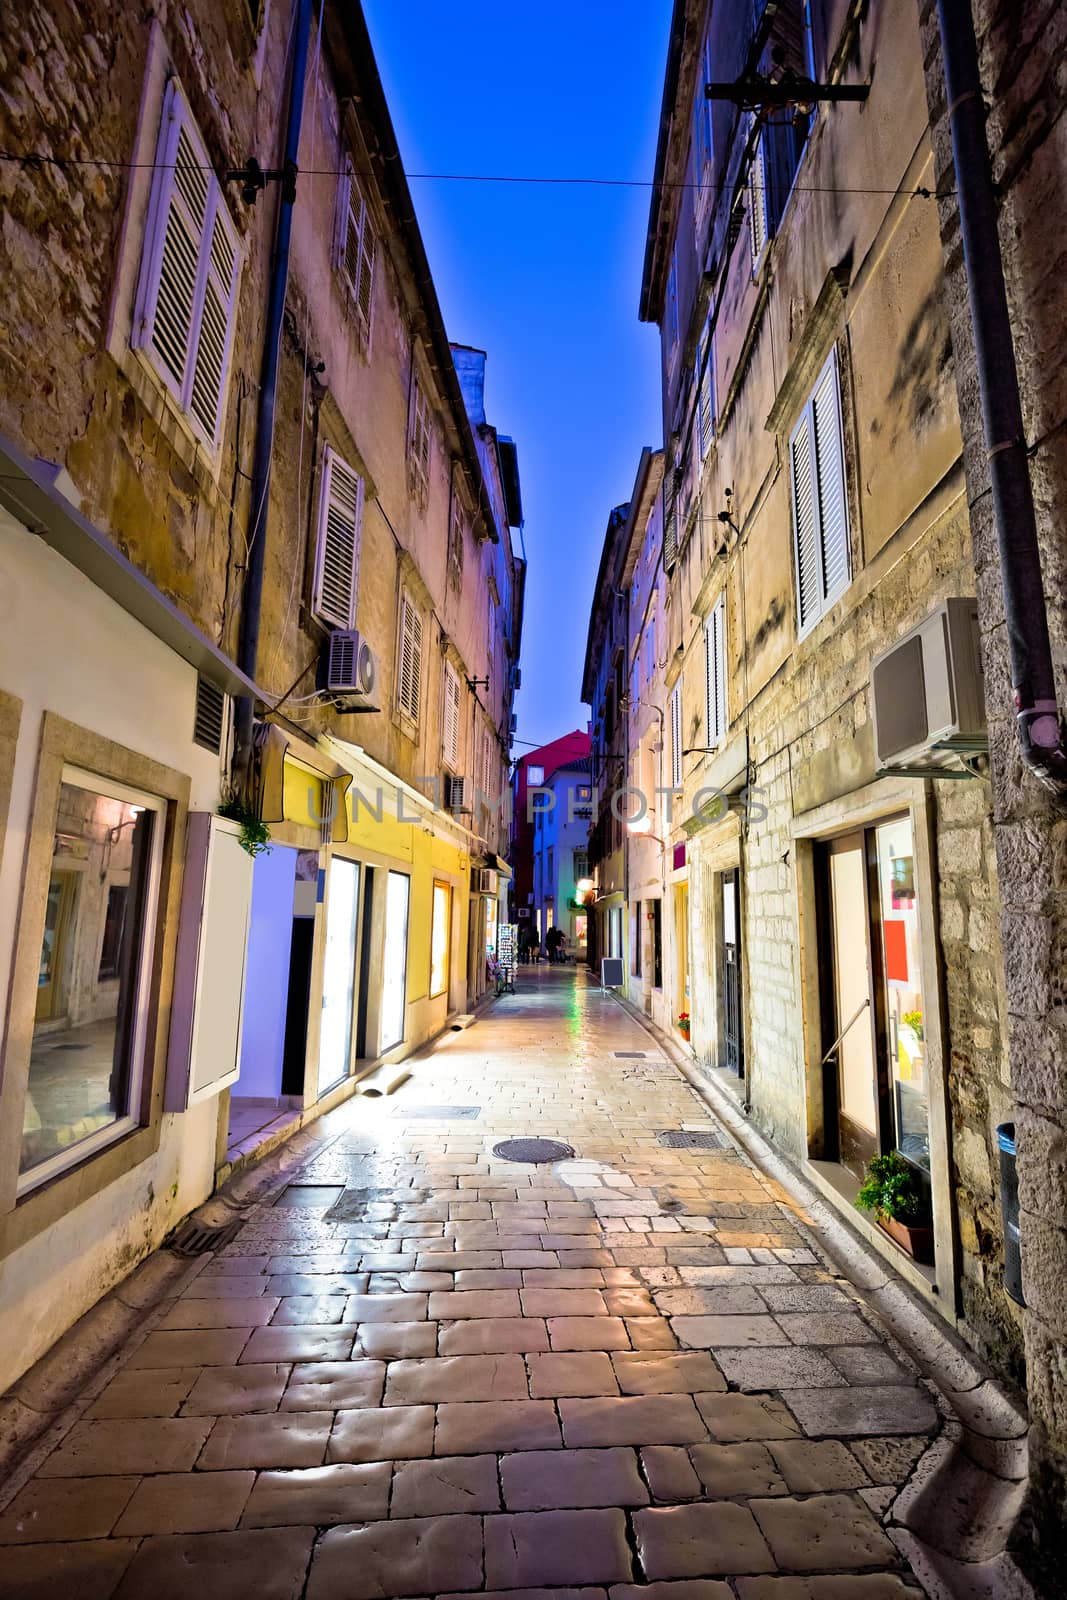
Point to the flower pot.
(917, 1241)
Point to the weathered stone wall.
(1021, 56)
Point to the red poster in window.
(895, 935)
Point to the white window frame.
(450, 718)
(215, 236)
(409, 628)
(822, 547)
(74, 1155)
(340, 482)
(675, 707)
(715, 699)
(704, 383)
(419, 440)
(356, 244)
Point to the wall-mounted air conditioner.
(351, 672)
(927, 692)
(454, 793)
(483, 880)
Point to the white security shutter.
(805, 525)
(830, 459)
(216, 322)
(410, 665)
(757, 201)
(676, 738)
(337, 547)
(189, 270)
(450, 741)
(715, 673)
(820, 504)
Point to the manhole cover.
(306, 1196)
(536, 1150)
(677, 1139)
(630, 1055)
(440, 1113)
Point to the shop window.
(395, 960)
(339, 973)
(186, 297)
(820, 503)
(635, 939)
(355, 254)
(874, 1002)
(91, 1020)
(337, 542)
(440, 935)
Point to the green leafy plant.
(914, 1019)
(683, 1021)
(892, 1189)
(255, 835)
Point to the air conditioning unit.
(483, 880)
(927, 692)
(454, 790)
(351, 671)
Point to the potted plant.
(255, 835)
(893, 1191)
(683, 1024)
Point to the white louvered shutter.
(216, 322)
(676, 738)
(830, 464)
(757, 201)
(705, 409)
(451, 717)
(715, 674)
(670, 524)
(356, 250)
(337, 550)
(410, 665)
(805, 524)
(420, 438)
(171, 271)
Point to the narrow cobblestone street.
(422, 1370)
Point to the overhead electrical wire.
(39, 159)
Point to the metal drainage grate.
(308, 1196)
(194, 1239)
(630, 1055)
(533, 1150)
(439, 1113)
(678, 1139)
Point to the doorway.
(732, 1025)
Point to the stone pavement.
(425, 1371)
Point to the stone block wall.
(1021, 52)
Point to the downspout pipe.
(1037, 721)
(248, 642)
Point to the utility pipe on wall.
(1037, 720)
(248, 644)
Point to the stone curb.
(968, 1490)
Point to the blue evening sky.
(545, 278)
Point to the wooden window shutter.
(706, 407)
(356, 250)
(715, 673)
(451, 716)
(410, 665)
(830, 463)
(757, 201)
(419, 442)
(189, 271)
(337, 542)
(670, 523)
(676, 737)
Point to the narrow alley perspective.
(426, 1365)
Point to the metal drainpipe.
(248, 645)
(1038, 726)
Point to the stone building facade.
(835, 917)
(138, 254)
(1020, 56)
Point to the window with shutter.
(670, 523)
(672, 305)
(337, 542)
(676, 737)
(419, 440)
(820, 500)
(705, 395)
(757, 201)
(409, 663)
(715, 674)
(456, 530)
(702, 145)
(189, 271)
(450, 742)
(356, 251)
